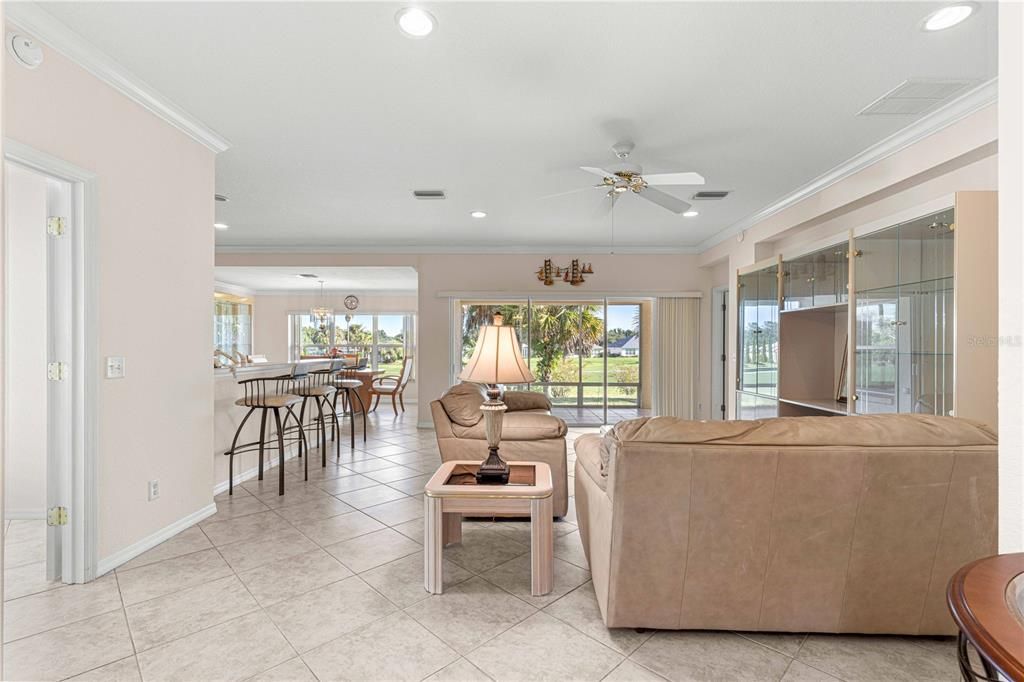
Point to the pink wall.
(155, 264)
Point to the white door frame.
(76, 475)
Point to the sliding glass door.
(585, 354)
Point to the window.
(382, 341)
(585, 355)
(232, 324)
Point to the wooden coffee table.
(452, 493)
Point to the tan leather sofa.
(529, 432)
(803, 524)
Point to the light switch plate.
(115, 367)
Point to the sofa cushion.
(526, 425)
(588, 456)
(526, 400)
(462, 403)
(880, 430)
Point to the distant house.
(628, 347)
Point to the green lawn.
(620, 369)
(391, 369)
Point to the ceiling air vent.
(428, 193)
(916, 96)
(706, 194)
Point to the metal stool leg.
(263, 437)
(322, 431)
(302, 437)
(351, 418)
(231, 452)
(280, 451)
(303, 445)
(335, 426)
(362, 409)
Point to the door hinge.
(56, 225)
(57, 516)
(56, 371)
(722, 408)
(723, 357)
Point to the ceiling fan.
(629, 177)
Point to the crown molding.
(233, 289)
(335, 293)
(970, 102)
(33, 19)
(418, 250)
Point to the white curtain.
(677, 357)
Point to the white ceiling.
(280, 279)
(335, 117)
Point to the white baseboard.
(24, 514)
(222, 487)
(118, 558)
(428, 424)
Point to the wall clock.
(351, 302)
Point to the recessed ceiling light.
(691, 214)
(478, 214)
(415, 22)
(221, 226)
(948, 16)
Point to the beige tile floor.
(326, 583)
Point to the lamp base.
(493, 471)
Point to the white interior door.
(38, 395)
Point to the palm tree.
(476, 316)
(557, 330)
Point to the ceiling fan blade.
(668, 201)
(572, 191)
(599, 172)
(674, 179)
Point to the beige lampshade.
(496, 359)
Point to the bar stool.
(317, 386)
(267, 394)
(348, 387)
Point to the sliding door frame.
(604, 301)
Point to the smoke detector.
(25, 49)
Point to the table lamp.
(496, 360)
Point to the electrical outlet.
(154, 490)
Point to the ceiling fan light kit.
(629, 177)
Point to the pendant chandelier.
(321, 314)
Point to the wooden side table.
(453, 492)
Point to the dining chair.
(393, 386)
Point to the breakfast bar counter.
(228, 415)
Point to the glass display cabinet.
(813, 332)
(898, 317)
(758, 342)
(816, 279)
(904, 311)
